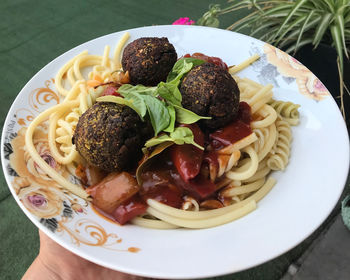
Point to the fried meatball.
(149, 60)
(110, 136)
(209, 90)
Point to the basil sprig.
(162, 103)
(180, 136)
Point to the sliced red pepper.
(200, 187)
(129, 210)
(110, 90)
(187, 158)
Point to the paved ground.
(328, 258)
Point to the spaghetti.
(244, 165)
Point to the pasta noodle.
(243, 167)
(247, 188)
(205, 223)
(279, 157)
(248, 169)
(269, 142)
(190, 204)
(287, 110)
(226, 163)
(66, 68)
(244, 64)
(152, 223)
(268, 115)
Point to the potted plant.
(305, 29)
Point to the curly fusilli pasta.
(288, 110)
(279, 155)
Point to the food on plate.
(172, 142)
(209, 90)
(107, 196)
(148, 60)
(110, 136)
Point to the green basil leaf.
(186, 116)
(137, 105)
(170, 92)
(194, 61)
(181, 67)
(157, 112)
(184, 135)
(180, 136)
(158, 140)
(172, 114)
(126, 89)
(137, 102)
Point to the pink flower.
(37, 200)
(183, 21)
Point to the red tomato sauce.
(235, 131)
(211, 59)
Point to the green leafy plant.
(292, 24)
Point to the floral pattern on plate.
(41, 196)
(308, 84)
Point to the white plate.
(303, 197)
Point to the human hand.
(56, 263)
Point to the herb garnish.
(181, 135)
(162, 103)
